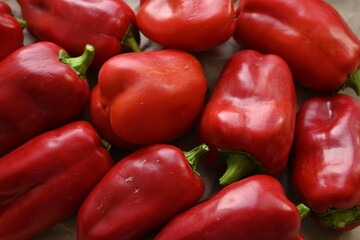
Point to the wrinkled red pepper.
(147, 97)
(140, 193)
(326, 168)
(310, 35)
(253, 208)
(45, 180)
(39, 91)
(11, 32)
(188, 25)
(250, 116)
(108, 25)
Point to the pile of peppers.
(128, 143)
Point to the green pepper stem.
(353, 81)
(303, 210)
(129, 40)
(194, 155)
(106, 145)
(79, 64)
(340, 218)
(22, 22)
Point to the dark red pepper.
(326, 168)
(188, 25)
(46, 179)
(140, 193)
(310, 35)
(250, 116)
(39, 91)
(11, 31)
(108, 25)
(254, 208)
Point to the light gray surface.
(213, 62)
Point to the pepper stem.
(106, 145)
(194, 155)
(353, 81)
(79, 64)
(303, 210)
(22, 22)
(129, 40)
(340, 218)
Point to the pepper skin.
(46, 179)
(140, 193)
(251, 114)
(147, 97)
(254, 208)
(38, 92)
(309, 35)
(326, 167)
(191, 26)
(73, 24)
(11, 33)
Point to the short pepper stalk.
(46, 179)
(141, 192)
(326, 164)
(253, 208)
(41, 88)
(310, 35)
(250, 117)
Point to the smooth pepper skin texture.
(309, 35)
(252, 109)
(147, 97)
(45, 180)
(73, 24)
(254, 208)
(188, 25)
(141, 192)
(11, 33)
(326, 168)
(37, 93)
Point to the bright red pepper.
(253, 208)
(326, 168)
(140, 193)
(103, 24)
(250, 116)
(147, 97)
(39, 92)
(45, 180)
(310, 35)
(11, 33)
(188, 25)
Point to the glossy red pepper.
(326, 168)
(11, 33)
(140, 193)
(188, 25)
(250, 116)
(253, 208)
(45, 180)
(147, 97)
(39, 92)
(103, 24)
(310, 35)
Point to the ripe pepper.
(147, 97)
(39, 91)
(252, 208)
(250, 116)
(46, 179)
(140, 193)
(108, 25)
(326, 167)
(188, 25)
(310, 35)
(11, 32)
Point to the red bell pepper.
(253, 208)
(188, 25)
(326, 168)
(11, 31)
(310, 35)
(250, 116)
(140, 193)
(39, 92)
(46, 179)
(108, 25)
(147, 97)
